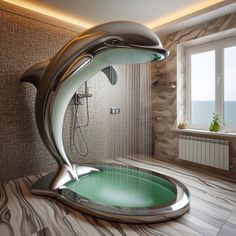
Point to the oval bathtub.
(122, 194)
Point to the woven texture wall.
(23, 42)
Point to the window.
(211, 83)
(230, 86)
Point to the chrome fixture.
(79, 96)
(115, 110)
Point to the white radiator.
(205, 151)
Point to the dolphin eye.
(113, 42)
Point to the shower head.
(127, 43)
(90, 52)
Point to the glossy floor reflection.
(212, 209)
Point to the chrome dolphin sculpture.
(57, 79)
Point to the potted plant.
(215, 124)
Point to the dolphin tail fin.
(68, 173)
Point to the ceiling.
(161, 16)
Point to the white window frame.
(218, 46)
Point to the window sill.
(206, 132)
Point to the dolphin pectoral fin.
(67, 174)
(34, 74)
(64, 175)
(111, 74)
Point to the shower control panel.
(115, 110)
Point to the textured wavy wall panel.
(164, 100)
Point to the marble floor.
(212, 210)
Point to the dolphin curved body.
(57, 79)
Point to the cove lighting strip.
(183, 12)
(153, 25)
(43, 10)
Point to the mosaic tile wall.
(23, 43)
(164, 99)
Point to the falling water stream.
(116, 138)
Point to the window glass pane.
(230, 87)
(202, 88)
